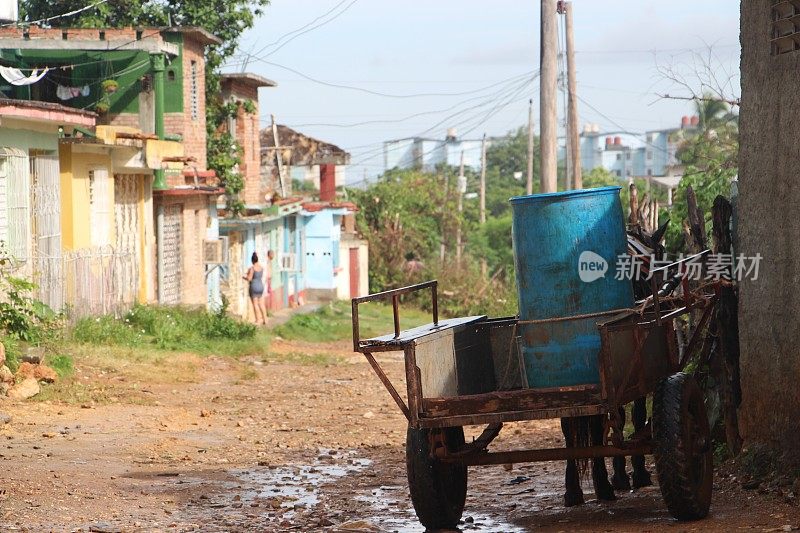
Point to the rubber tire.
(685, 473)
(438, 489)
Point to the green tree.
(710, 160)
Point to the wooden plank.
(509, 416)
(505, 401)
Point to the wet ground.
(274, 446)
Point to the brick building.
(242, 88)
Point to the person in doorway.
(255, 276)
(270, 257)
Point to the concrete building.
(336, 258)
(633, 155)
(427, 154)
(150, 80)
(769, 305)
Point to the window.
(170, 75)
(649, 171)
(628, 156)
(619, 157)
(100, 207)
(17, 170)
(649, 155)
(618, 173)
(784, 33)
(195, 103)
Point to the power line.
(368, 91)
(337, 15)
(505, 96)
(504, 102)
(590, 106)
(408, 117)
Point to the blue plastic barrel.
(565, 250)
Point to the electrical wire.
(622, 129)
(408, 117)
(497, 99)
(503, 102)
(369, 91)
(328, 21)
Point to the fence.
(100, 281)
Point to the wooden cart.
(468, 371)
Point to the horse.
(590, 430)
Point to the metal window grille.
(19, 204)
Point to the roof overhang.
(46, 112)
(248, 78)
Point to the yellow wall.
(75, 216)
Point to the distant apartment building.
(652, 154)
(427, 153)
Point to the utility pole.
(442, 248)
(461, 188)
(278, 156)
(529, 183)
(483, 181)
(483, 197)
(548, 89)
(573, 133)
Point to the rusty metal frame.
(394, 294)
(498, 407)
(540, 455)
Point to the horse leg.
(620, 480)
(574, 494)
(602, 488)
(641, 477)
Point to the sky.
(470, 64)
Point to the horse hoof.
(641, 479)
(621, 482)
(573, 499)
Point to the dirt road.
(287, 443)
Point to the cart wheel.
(438, 489)
(684, 460)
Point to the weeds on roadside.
(332, 322)
(173, 329)
(25, 320)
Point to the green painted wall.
(91, 68)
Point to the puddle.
(390, 509)
(296, 487)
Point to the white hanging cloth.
(15, 76)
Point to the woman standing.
(255, 276)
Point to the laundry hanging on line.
(14, 76)
(67, 93)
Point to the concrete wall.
(76, 227)
(769, 312)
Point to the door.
(172, 235)
(354, 273)
(46, 192)
(128, 246)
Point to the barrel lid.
(566, 194)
